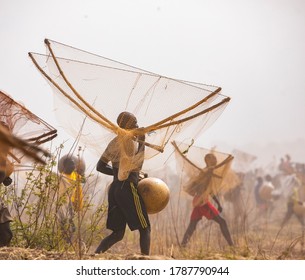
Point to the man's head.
(210, 159)
(68, 165)
(127, 120)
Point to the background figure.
(265, 194)
(235, 197)
(125, 205)
(258, 200)
(202, 207)
(70, 191)
(293, 202)
(296, 201)
(286, 166)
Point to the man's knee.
(193, 224)
(146, 230)
(118, 235)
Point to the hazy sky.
(254, 50)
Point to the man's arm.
(103, 166)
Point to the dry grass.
(257, 236)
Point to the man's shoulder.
(114, 141)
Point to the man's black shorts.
(125, 206)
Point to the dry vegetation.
(37, 234)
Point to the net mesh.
(21, 132)
(201, 177)
(99, 89)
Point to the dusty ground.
(290, 253)
(14, 253)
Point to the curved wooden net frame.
(100, 89)
(22, 132)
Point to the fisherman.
(202, 207)
(235, 197)
(259, 202)
(295, 202)
(125, 205)
(286, 166)
(70, 188)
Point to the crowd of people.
(284, 189)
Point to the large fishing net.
(21, 133)
(204, 172)
(99, 89)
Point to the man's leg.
(224, 229)
(145, 240)
(288, 214)
(189, 232)
(110, 240)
